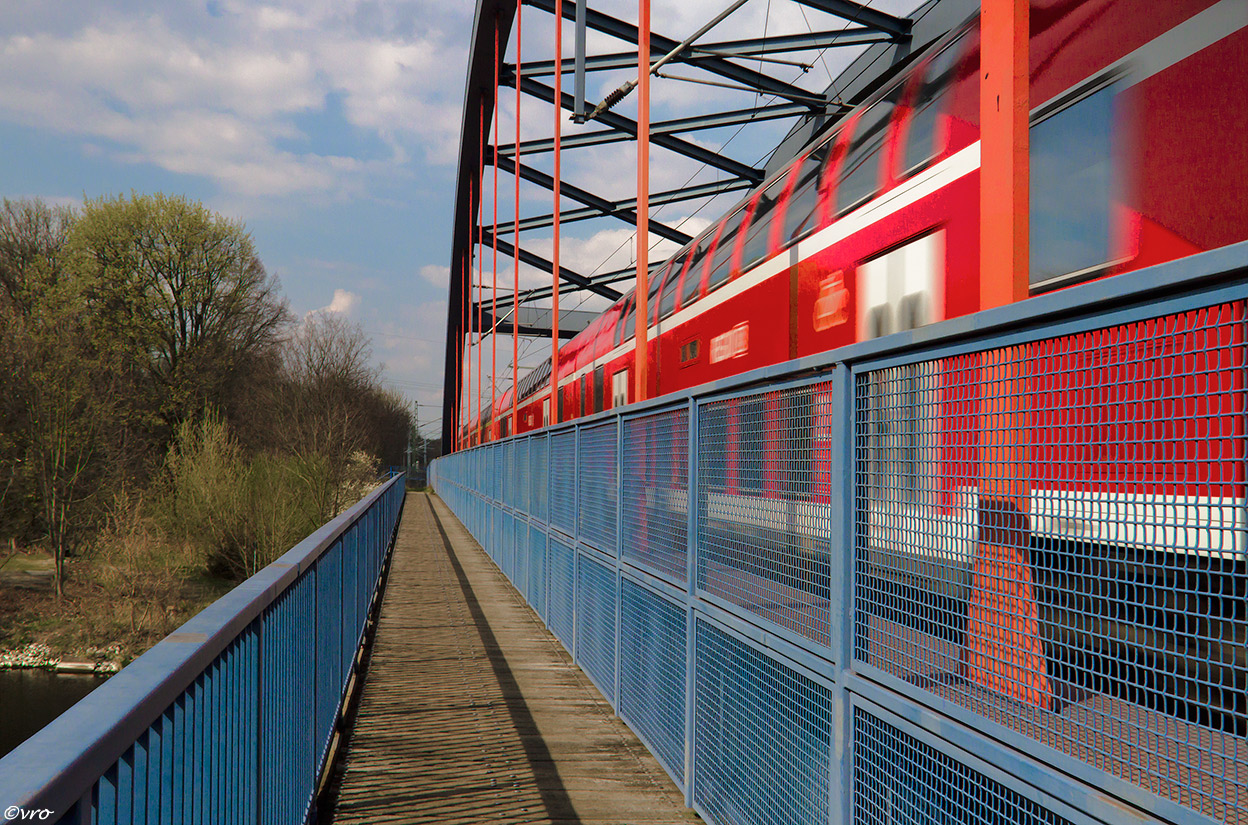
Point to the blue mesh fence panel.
(656, 493)
(539, 501)
(653, 642)
(563, 482)
(596, 476)
(897, 779)
(523, 477)
(518, 538)
(1052, 535)
(763, 505)
(595, 622)
(507, 469)
(537, 570)
(562, 593)
(761, 739)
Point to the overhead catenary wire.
(620, 93)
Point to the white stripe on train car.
(1168, 49)
(916, 188)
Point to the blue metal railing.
(230, 718)
(993, 570)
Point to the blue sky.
(331, 127)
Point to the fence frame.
(1061, 783)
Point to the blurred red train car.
(1138, 156)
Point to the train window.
(619, 388)
(800, 217)
(921, 135)
(758, 235)
(689, 291)
(655, 281)
(599, 383)
(698, 257)
(721, 261)
(628, 328)
(860, 172)
(667, 303)
(1072, 187)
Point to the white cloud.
(436, 274)
(222, 98)
(342, 304)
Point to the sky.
(331, 129)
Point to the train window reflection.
(1072, 188)
(860, 173)
(630, 322)
(667, 303)
(799, 216)
(721, 261)
(921, 136)
(759, 232)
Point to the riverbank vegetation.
(167, 428)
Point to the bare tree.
(328, 374)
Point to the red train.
(1137, 511)
(1137, 155)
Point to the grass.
(91, 622)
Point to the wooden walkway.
(472, 712)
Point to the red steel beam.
(494, 243)
(515, 291)
(642, 348)
(554, 270)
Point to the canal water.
(30, 699)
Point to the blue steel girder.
(601, 279)
(604, 206)
(753, 47)
(628, 127)
(656, 199)
(713, 120)
(533, 259)
(661, 45)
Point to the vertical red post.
(494, 242)
(642, 350)
(1004, 651)
(554, 270)
(460, 394)
(515, 239)
(1004, 141)
(480, 262)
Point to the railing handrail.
(56, 766)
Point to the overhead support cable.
(588, 198)
(688, 193)
(508, 248)
(752, 48)
(694, 123)
(653, 68)
(629, 127)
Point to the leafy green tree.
(182, 288)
